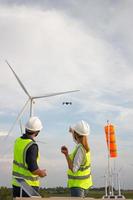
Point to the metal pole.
(109, 174)
(112, 184)
(20, 191)
(119, 189)
(106, 185)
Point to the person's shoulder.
(17, 139)
(33, 145)
(80, 149)
(33, 148)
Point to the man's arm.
(31, 160)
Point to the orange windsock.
(110, 139)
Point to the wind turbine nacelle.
(67, 103)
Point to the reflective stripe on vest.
(19, 164)
(79, 177)
(25, 177)
(20, 167)
(84, 168)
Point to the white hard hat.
(34, 124)
(82, 128)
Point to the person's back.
(26, 156)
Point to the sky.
(63, 45)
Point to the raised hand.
(64, 150)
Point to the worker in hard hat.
(26, 156)
(79, 171)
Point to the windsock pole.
(109, 168)
(111, 173)
(119, 187)
(106, 186)
(112, 184)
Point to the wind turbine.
(31, 99)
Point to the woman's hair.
(83, 140)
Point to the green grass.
(128, 194)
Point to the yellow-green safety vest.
(20, 167)
(82, 178)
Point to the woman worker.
(79, 171)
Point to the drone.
(67, 103)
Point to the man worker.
(26, 156)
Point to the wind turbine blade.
(21, 84)
(38, 141)
(17, 119)
(54, 94)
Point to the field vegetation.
(6, 193)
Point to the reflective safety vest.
(20, 167)
(82, 178)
